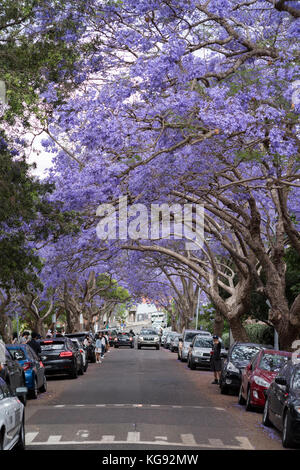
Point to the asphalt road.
(142, 399)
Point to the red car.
(258, 375)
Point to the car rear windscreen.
(52, 346)
(21, 353)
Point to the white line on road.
(30, 436)
(53, 439)
(108, 439)
(133, 437)
(215, 442)
(188, 439)
(244, 443)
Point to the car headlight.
(261, 382)
(156, 338)
(231, 367)
(141, 338)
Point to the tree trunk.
(39, 327)
(5, 327)
(218, 324)
(237, 328)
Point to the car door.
(277, 397)
(39, 372)
(13, 371)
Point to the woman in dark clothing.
(216, 362)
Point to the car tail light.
(66, 354)
(211, 353)
(81, 350)
(41, 364)
(48, 342)
(110, 337)
(26, 365)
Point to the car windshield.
(189, 337)
(203, 343)
(148, 332)
(296, 381)
(244, 353)
(272, 362)
(21, 353)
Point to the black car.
(239, 355)
(124, 339)
(89, 349)
(282, 407)
(14, 375)
(61, 356)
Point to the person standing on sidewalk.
(216, 361)
(98, 349)
(103, 342)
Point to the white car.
(12, 432)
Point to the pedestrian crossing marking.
(54, 439)
(188, 439)
(108, 438)
(133, 437)
(215, 442)
(30, 436)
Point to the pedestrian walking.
(98, 349)
(216, 361)
(34, 344)
(103, 342)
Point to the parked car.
(174, 342)
(84, 361)
(258, 375)
(148, 338)
(14, 376)
(200, 352)
(282, 407)
(60, 356)
(170, 336)
(124, 339)
(12, 431)
(91, 348)
(35, 378)
(239, 356)
(187, 338)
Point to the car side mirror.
(281, 381)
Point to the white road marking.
(188, 439)
(161, 438)
(59, 406)
(216, 442)
(108, 439)
(29, 436)
(133, 437)
(244, 443)
(53, 439)
(83, 433)
(137, 406)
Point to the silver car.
(148, 338)
(187, 338)
(200, 350)
(12, 432)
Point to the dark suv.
(239, 356)
(60, 356)
(14, 375)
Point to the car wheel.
(266, 420)
(35, 391)
(2, 438)
(287, 435)
(157, 348)
(21, 441)
(74, 373)
(223, 389)
(241, 399)
(86, 366)
(139, 347)
(249, 407)
(178, 357)
(43, 388)
(192, 365)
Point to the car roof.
(277, 352)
